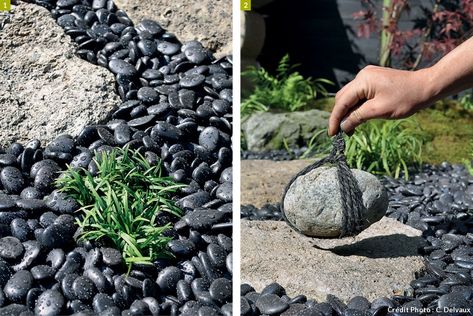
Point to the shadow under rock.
(390, 246)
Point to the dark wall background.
(321, 35)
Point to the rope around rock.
(351, 195)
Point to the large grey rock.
(45, 89)
(313, 203)
(265, 130)
(380, 261)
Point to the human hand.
(379, 92)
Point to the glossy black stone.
(121, 67)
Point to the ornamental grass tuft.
(386, 147)
(122, 202)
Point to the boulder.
(45, 89)
(264, 131)
(313, 203)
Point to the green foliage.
(122, 202)
(385, 147)
(318, 141)
(466, 102)
(287, 90)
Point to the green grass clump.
(385, 147)
(287, 90)
(121, 203)
(467, 102)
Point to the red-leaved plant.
(444, 24)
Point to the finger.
(358, 116)
(351, 95)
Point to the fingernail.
(342, 124)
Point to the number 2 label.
(246, 5)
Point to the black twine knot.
(351, 195)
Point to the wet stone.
(168, 278)
(152, 74)
(111, 256)
(106, 136)
(18, 286)
(82, 160)
(5, 273)
(59, 202)
(182, 248)
(7, 216)
(148, 95)
(152, 27)
(30, 193)
(66, 286)
(102, 302)
(31, 205)
(168, 48)
(66, 3)
(141, 121)
(40, 164)
(10, 248)
(19, 229)
(201, 219)
(167, 131)
(32, 250)
(83, 288)
(42, 272)
(194, 200)
(221, 290)
(224, 191)
(27, 159)
(56, 258)
(6, 203)
(61, 144)
(12, 180)
(44, 179)
(196, 55)
(7, 160)
(271, 304)
(217, 255)
(452, 300)
(209, 138)
(50, 302)
(122, 134)
(147, 47)
(120, 67)
(56, 236)
(192, 81)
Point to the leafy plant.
(385, 147)
(317, 141)
(440, 27)
(467, 102)
(121, 204)
(287, 89)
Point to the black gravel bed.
(438, 201)
(176, 108)
(279, 154)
